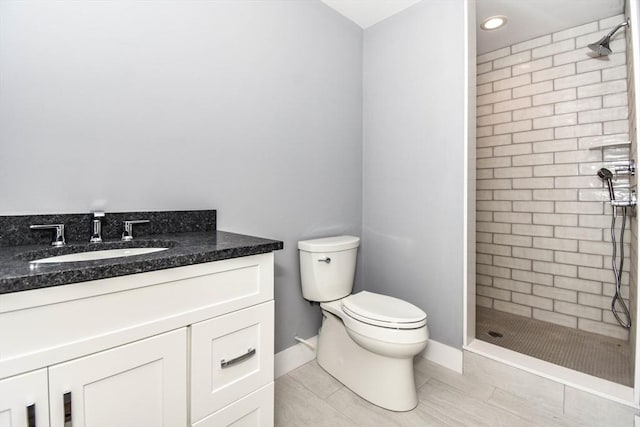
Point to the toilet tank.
(328, 267)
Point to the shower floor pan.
(593, 354)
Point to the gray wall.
(413, 161)
(251, 108)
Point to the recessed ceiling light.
(493, 22)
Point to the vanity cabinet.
(178, 347)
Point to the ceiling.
(529, 19)
(365, 13)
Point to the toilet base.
(387, 382)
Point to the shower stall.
(556, 226)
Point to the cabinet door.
(23, 400)
(231, 356)
(139, 384)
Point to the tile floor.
(593, 354)
(310, 397)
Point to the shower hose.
(617, 272)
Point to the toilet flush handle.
(325, 259)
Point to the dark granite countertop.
(18, 274)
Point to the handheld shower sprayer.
(606, 175)
(618, 307)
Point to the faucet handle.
(127, 233)
(96, 227)
(58, 239)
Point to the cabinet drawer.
(254, 410)
(231, 356)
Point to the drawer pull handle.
(226, 363)
(31, 415)
(68, 421)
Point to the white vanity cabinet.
(178, 347)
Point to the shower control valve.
(626, 169)
(626, 203)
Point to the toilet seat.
(394, 333)
(383, 310)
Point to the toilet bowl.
(367, 341)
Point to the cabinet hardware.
(226, 363)
(68, 421)
(31, 415)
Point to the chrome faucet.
(96, 227)
(58, 238)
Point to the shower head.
(601, 47)
(606, 175)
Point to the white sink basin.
(95, 255)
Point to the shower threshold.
(592, 354)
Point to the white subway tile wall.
(544, 246)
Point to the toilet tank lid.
(329, 244)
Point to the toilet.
(367, 341)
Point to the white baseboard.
(449, 357)
(293, 357)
